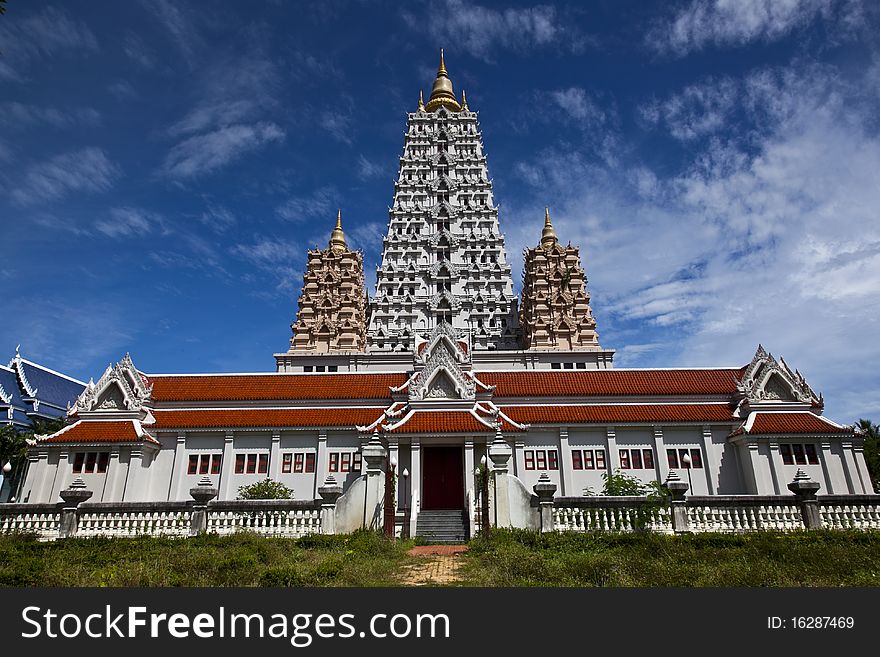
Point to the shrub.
(265, 490)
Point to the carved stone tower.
(331, 316)
(555, 311)
(443, 259)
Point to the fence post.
(202, 494)
(500, 453)
(329, 492)
(805, 489)
(545, 490)
(677, 489)
(73, 496)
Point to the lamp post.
(484, 493)
(686, 461)
(479, 487)
(7, 468)
(405, 475)
(390, 498)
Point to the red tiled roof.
(267, 417)
(97, 432)
(803, 422)
(612, 382)
(243, 387)
(605, 413)
(445, 422)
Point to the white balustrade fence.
(282, 518)
(134, 519)
(43, 520)
(849, 511)
(610, 514)
(733, 514)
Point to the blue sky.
(165, 166)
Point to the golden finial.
(442, 94)
(548, 235)
(464, 100)
(337, 237)
(421, 102)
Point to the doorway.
(443, 477)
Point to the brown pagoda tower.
(331, 315)
(555, 311)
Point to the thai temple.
(437, 361)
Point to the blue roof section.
(51, 387)
(9, 382)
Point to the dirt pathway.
(437, 565)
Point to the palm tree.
(872, 449)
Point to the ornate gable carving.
(769, 380)
(120, 388)
(441, 367)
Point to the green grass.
(360, 559)
(508, 558)
(822, 558)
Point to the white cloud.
(338, 124)
(698, 110)
(769, 235)
(367, 169)
(577, 104)
(127, 222)
(481, 30)
(219, 218)
(205, 153)
(739, 22)
(40, 36)
(320, 204)
(85, 170)
(22, 114)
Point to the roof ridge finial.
(548, 235)
(421, 101)
(464, 100)
(442, 69)
(337, 237)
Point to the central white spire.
(443, 258)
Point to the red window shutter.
(696, 458)
(103, 460)
(576, 463)
(334, 461)
(78, 459)
(239, 464)
(589, 462)
(672, 457)
(624, 458)
(812, 457)
(552, 460)
(264, 464)
(529, 458)
(310, 462)
(648, 457)
(636, 456)
(542, 459)
(204, 463)
(251, 463)
(216, 461)
(91, 458)
(600, 459)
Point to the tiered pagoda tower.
(555, 312)
(331, 315)
(443, 259)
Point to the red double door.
(442, 477)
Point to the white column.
(775, 466)
(415, 483)
(275, 456)
(661, 464)
(469, 465)
(566, 477)
(759, 474)
(115, 475)
(60, 476)
(612, 463)
(825, 459)
(862, 469)
(178, 470)
(321, 463)
(849, 468)
(519, 457)
(133, 479)
(227, 467)
(710, 467)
